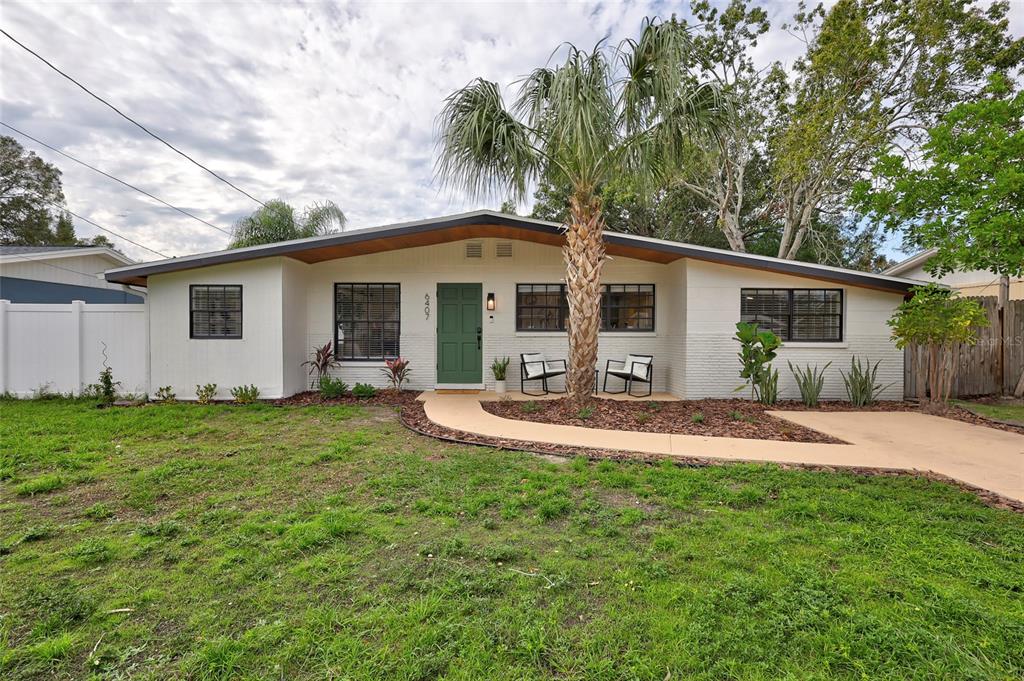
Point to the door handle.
(479, 337)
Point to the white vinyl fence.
(63, 348)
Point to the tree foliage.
(278, 221)
(935, 323)
(966, 199)
(31, 197)
(29, 188)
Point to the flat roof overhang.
(485, 224)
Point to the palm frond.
(323, 218)
(482, 148)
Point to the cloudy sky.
(287, 100)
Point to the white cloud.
(302, 102)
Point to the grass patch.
(40, 485)
(1002, 412)
(217, 542)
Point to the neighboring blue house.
(60, 274)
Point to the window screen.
(367, 321)
(215, 311)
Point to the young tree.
(876, 74)
(598, 116)
(934, 323)
(277, 221)
(966, 199)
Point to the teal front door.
(459, 339)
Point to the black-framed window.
(795, 314)
(624, 307)
(215, 311)
(367, 321)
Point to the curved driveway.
(984, 457)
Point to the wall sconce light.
(490, 302)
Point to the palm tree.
(277, 221)
(601, 115)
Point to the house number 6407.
(426, 306)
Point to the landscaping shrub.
(860, 382)
(585, 413)
(757, 350)
(166, 395)
(697, 417)
(810, 381)
(499, 367)
(529, 407)
(245, 394)
(206, 393)
(397, 371)
(768, 387)
(105, 389)
(320, 361)
(331, 387)
(364, 391)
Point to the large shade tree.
(278, 221)
(628, 111)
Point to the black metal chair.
(534, 367)
(633, 369)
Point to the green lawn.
(262, 542)
(1003, 412)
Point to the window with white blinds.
(367, 321)
(215, 311)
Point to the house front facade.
(452, 294)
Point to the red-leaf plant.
(397, 371)
(320, 362)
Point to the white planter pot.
(499, 387)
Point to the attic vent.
(503, 249)
(474, 249)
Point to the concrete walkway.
(984, 457)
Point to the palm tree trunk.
(584, 256)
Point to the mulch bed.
(415, 418)
(709, 418)
(722, 418)
(383, 398)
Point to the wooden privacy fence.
(990, 367)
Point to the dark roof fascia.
(354, 237)
(794, 267)
(488, 218)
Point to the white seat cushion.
(638, 365)
(535, 365)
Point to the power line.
(128, 118)
(105, 174)
(99, 226)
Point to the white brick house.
(253, 315)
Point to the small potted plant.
(499, 367)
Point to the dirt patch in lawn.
(708, 418)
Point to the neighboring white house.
(971, 283)
(453, 293)
(61, 274)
